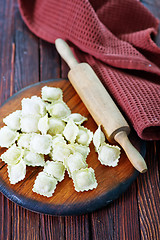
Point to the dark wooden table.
(24, 60)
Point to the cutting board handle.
(65, 52)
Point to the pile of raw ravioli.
(46, 126)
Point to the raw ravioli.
(7, 137)
(84, 179)
(55, 169)
(44, 185)
(58, 139)
(47, 127)
(24, 140)
(98, 138)
(13, 155)
(33, 106)
(33, 159)
(84, 150)
(30, 107)
(58, 109)
(41, 103)
(76, 117)
(41, 143)
(56, 126)
(74, 162)
(109, 155)
(51, 94)
(16, 172)
(84, 136)
(71, 131)
(43, 124)
(13, 120)
(29, 123)
(60, 152)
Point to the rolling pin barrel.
(97, 100)
(99, 103)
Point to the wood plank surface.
(112, 221)
(49, 58)
(6, 25)
(19, 68)
(135, 215)
(149, 196)
(51, 227)
(77, 227)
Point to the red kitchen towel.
(114, 37)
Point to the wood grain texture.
(26, 55)
(102, 223)
(19, 67)
(49, 58)
(77, 227)
(149, 196)
(126, 211)
(112, 222)
(51, 227)
(6, 25)
(5, 217)
(25, 224)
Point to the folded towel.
(114, 37)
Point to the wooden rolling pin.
(100, 105)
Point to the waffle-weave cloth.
(116, 38)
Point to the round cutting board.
(66, 201)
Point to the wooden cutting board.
(66, 201)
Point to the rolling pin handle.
(133, 155)
(65, 52)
